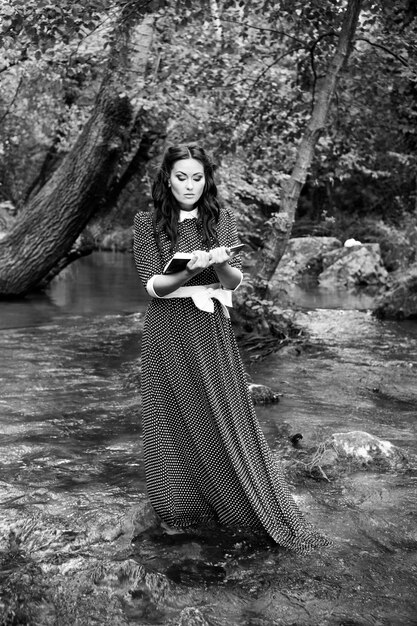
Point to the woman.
(206, 458)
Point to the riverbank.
(79, 545)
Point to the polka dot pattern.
(206, 457)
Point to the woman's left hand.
(219, 256)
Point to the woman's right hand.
(200, 260)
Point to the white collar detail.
(188, 215)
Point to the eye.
(181, 178)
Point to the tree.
(278, 227)
(243, 78)
(54, 217)
(363, 170)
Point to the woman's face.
(187, 182)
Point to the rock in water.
(400, 302)
(143, 518)
(366, 448)
(354, 265)
(303, 256)
(261, 394)
(295, 439)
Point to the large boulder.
(366, 448)
(400, 301)
(303, 256)
(356, 450)
(352, 266)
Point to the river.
(102, 283)
(71, 470)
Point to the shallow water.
(71, 468)
(362, 372)
(312, 296)
(99, 284)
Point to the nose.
(189, 184)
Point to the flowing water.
(72, 471)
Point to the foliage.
(249, 96)
(242, 81)
(50, 59)
(365, 164)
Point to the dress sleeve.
(145, 251)
(233, 239)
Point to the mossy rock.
(400, 301)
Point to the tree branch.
(11, 103)
(385, 49)
(261, 74)
(17, 62)
(269, 30)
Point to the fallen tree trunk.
(52, 220)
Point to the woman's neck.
(184, 215)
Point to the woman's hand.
(200, 260)
(219, 256)
(230, 277)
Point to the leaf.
(7, 10)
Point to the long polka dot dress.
(206, 458)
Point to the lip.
(189, 195)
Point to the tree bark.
(279, 226)
(215, 16)
(50, 223)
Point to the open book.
(177, 263)
(180, 259)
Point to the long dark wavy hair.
(167, 210)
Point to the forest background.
(93, 91)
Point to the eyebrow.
(194, 174)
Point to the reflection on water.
(321, 298)
(99, 284)
(310, 295)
